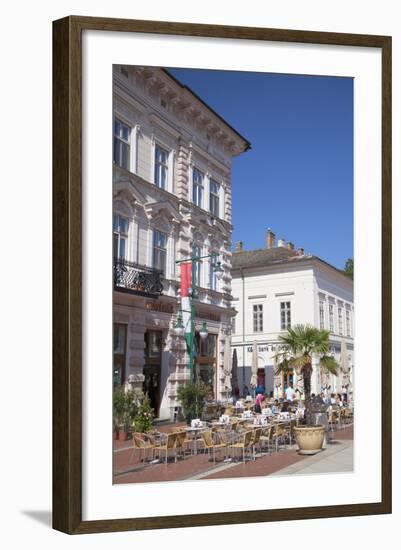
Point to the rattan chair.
(167, 446)
(256, 435)
(244, 444)
(141, 443)
(210, 445)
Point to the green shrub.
(143, 419)
(191, 397)
(125, 407)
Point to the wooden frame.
(67, 250)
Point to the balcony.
(137, 279)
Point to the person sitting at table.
(332, 399)
(275, 407)
(339, 401)
(285, 407)
(258, 402)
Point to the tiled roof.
(275, 256)
(262, 256)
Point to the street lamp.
(179, 328)
(203, 333)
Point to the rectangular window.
(212, 274)
(258, 318)
(214, 198)
(321, 314)
(285, 315)
(120, 236)
(197, 187)
(121, 151)
(196, 266)
(340, 321)
(159, 250)
(331, 317)
(161, 167)
(348, 321)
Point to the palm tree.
(299, 344)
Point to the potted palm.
(300, 343)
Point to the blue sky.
(298, 177)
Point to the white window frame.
(216, 196)
(322, 314)
(287, 315)
(340, 320)
(348, 322)
(199, 186)
(166, 166)
(197, 266)
(121, 235)
(213, 279)
(165, 250)
(123, 141)
(331, 318)
(257, 317)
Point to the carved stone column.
(136, 355)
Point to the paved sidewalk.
(338, 457)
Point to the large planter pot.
(309, 439)
(122, 435)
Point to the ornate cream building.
(172, 159)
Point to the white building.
(172, 198)
(278, 287)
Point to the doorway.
(152, 368)
(287, 377)
(119, 353)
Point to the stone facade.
(166, 141)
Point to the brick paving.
(201, 466)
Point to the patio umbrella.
(234, 373)
(254, 366)
(227, 365)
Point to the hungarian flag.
(186, 284)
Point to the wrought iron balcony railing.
(137, 279)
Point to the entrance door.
(119, 353)
(261, 380)
(287, 378)
(152, 368)
(205, 362)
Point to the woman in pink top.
(258, 402)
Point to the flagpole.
(187, 305)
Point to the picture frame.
(67, 274)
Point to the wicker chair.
(256, 435)
(141, 443)
(210, 445)
(167, 446)
(244, 444)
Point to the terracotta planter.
(309, 439)
(122, 435)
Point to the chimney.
(290, 246)
(270, 239)
(239, 246)
(281, 242)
